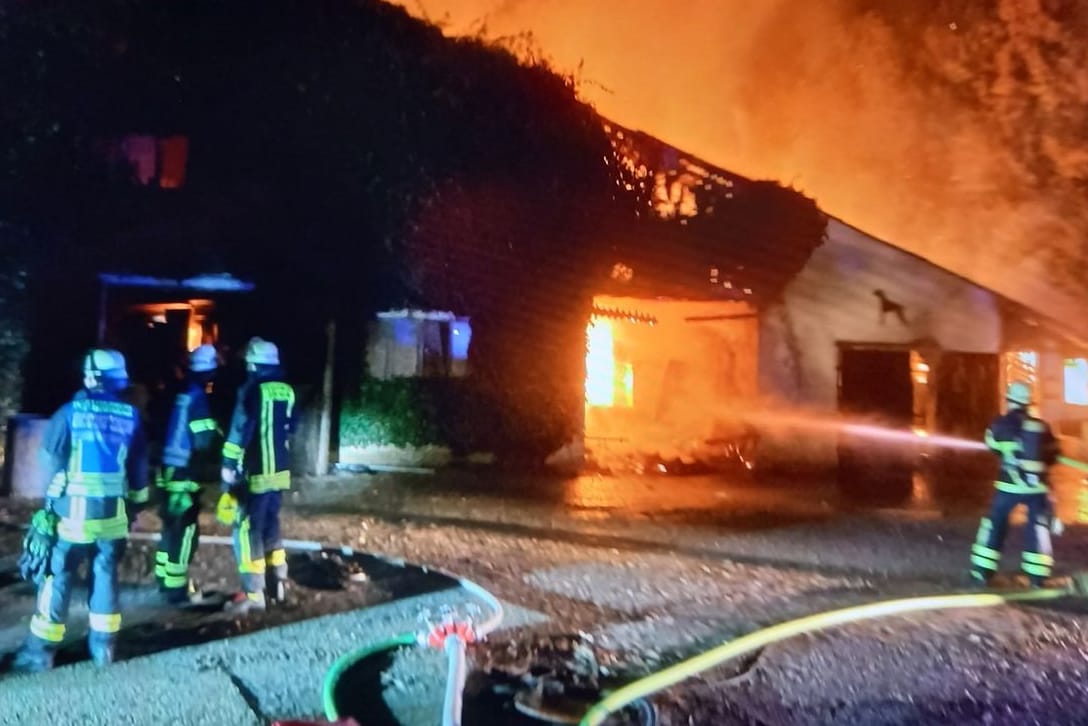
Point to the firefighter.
(256, 470)
(189, 459)
(94, 453)
(1027, 449)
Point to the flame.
(952, 129)
(600, 364)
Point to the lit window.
(460, 338)
(1076, 381)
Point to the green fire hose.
(672, 675)
(346, 661)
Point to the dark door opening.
(875, 387)
(967, 394)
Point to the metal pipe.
(761, 638)
(298, 545)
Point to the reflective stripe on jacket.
(260, 429)
(191, 435)
(93, 451)
(1027, 448)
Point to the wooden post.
(324, 431)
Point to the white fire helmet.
(262, 352)
(203, 359)
(105, 363)
(1019, 393)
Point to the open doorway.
(667, 382)
(159, 335)
(878, 386)
(156, 322)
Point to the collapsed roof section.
(711, 234)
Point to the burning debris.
(550, 679)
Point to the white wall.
(832, 301)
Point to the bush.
(452, 412)
(399, 412)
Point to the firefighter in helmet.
(189, 459)
(1027, 449)
(256, 470)
(94, 454)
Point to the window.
(153, 160)
(1076, 381)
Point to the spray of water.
(777, 420)
(912, 438)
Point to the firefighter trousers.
(47, 626)
(258, 544)
(1037, 559)
(180, 538)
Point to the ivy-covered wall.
(13, 321)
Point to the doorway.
(876, 388)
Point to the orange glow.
(695, 367)
(197, 328)
(195, 335)
(921, 129)
(600, 363)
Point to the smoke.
(952, 128)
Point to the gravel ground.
(647, 591)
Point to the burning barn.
(769, 323)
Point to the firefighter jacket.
(189, 449)
(95, 454)
(258, 441)
(1027, 448)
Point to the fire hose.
(674, 674)
(452, 635)
(455, 636)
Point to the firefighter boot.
(278, 591)
(32, 660)
(245, 603)
(191, 594)
(103, 654)
(977, 580)
(276, 588)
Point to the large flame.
(952, 128)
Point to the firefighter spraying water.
(1028, 449)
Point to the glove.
(38, 546)
(226, 510)
(178, 503)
